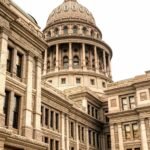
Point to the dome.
(70, 10)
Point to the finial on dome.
(70, 0)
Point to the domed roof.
(70, 10)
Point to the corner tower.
(77, 55)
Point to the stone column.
(37, 114)
(77, 136)
(67, 132)
(104, 60)
(14, 62)
(3, 64)
(45, 63)
(112, 133)
(28, 103)
(96, 60)
(70, 56)
(87, 137)
(143, 135)
(120, 135)
(57, 58)
(62, 131)
(109, 59)
(83, 56)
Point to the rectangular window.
(46, 116)
(57, 121)
(72, 130)
(97, 140)
(51, 144)
(90, 137)
(45, 139)
(108, 142)
(51, 119)
(5, 106)
(82, 134)
(124, 103)
(15, 111)
(92, 82)
(96, 113)
(19, 65)
(9, 58)
(79, 132)
(89, 111)
(63, 81)
(93, 138)
(57, 145)
(127, 132)
(42, 114)
(135, 131)
(131, 102)
(78, 80)
(92, 111)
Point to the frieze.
(30, 28)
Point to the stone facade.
(129, 105)
(52, 82)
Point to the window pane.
(127, 132)
(15, 110)
(135, 130)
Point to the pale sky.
(125, 25)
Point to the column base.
(27, 132)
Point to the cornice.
(76, 72)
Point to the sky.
(125, 25)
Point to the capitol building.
(56, 87)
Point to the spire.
(70, 0)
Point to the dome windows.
(75, 29)
(65, 30)
(56, 32)
(75, 61)
(84, 30)
(65, 62)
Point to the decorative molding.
(5, 2)
(30, 27)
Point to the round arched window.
(75, 61)
(75, 29)
(84, 30)
(65, 62)
(65, 30)
(56, 31)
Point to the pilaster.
(77, 136)
(112, 133)
(67, 132)
(3, 64)
(87, 137)
(120, 135)
(27, 131)
(143, 135)
(62, 131)
(45, 63)
(37, 115)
